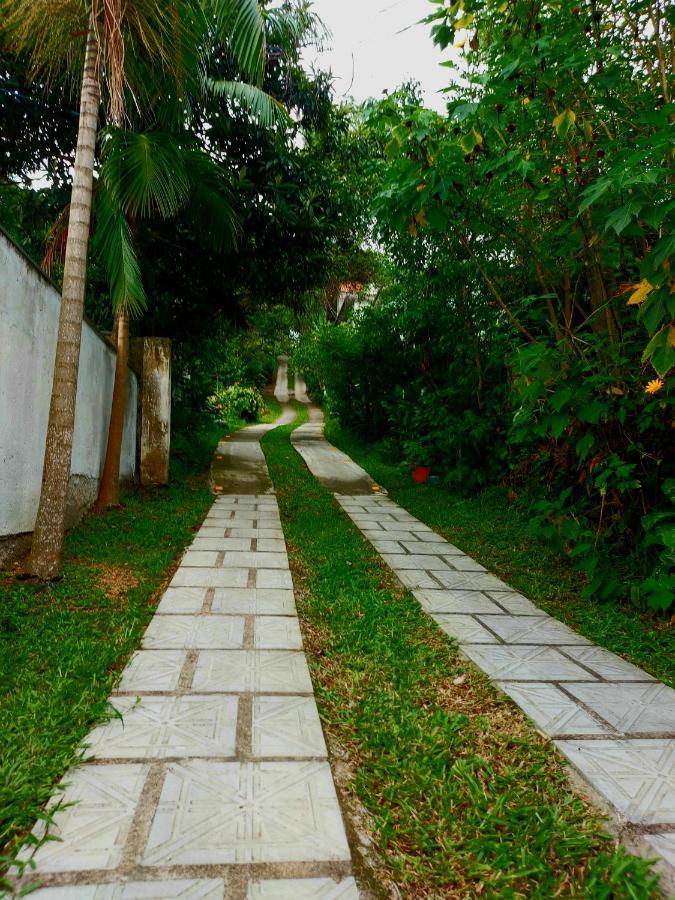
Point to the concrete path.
(333, 468)
(213, 782)
(613, 722)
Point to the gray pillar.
(151, 358)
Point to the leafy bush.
(236, 402)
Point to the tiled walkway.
(613, 722)
(214, 781)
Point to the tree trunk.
(109, 490)
(47, 546)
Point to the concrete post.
(281, 389)
(151, 359)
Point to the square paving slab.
(253, 601)
(631, 708)
(636, 776)
(194, 633)
(277, 633)
(464, 629)
(520, 663)
(271, 578)
(94, 830)
(254, 671)
(664, 844)
(515, 604)
(552, 710)
(160, 727)
(468, 602)
(188, 576)
(606, 664)
(153, 670)
(199, 889)
(469, 581)
(532, 630)
(408, 561)
(182, 600)
(426, 549)
(219, 813)
(303, 889)
(286, 726)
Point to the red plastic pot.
(420, 474)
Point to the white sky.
(369, 43)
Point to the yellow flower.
(654, 386)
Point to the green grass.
(462, 797)
(496, 534)
(62, 645)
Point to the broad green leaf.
(563, 122)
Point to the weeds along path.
(451, 783)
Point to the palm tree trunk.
(109, 490)
(47, 546)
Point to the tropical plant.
(127, 45)
(236, 402)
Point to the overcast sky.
(378, 45)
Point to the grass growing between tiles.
(496, 534)
(462, 797)
(63, 644)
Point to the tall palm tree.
(124, 44)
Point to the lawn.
(458, 794)
(62, 645)
(496, 534)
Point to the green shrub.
(236, 402)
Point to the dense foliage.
(530, 334)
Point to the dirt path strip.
(613, 722)
(213, 782)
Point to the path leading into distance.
(213, 782)
(612, 721)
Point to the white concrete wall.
(29, 313)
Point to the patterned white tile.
(274, 578)
(402, 561)
(551, 710)
(303, 889)
(380, 535)
(153, 670)
(436, 549)
(464, 629)
(270, 545)
(532, 630)
(286, 726)
(200, 889)
(253, 601)
(464, 563)
(468, 602)
(255, 560)
(277, 633)
(606, 664)
(182, 600)
(415, 579)
(636, 776)
(220, 813)
(664, 845)
(631, 708)
(194, 632)
(257, 671)
(188, 576)
(221, 544)
(259, 533)
(160, 727)
(516, 662)
(387, 546)
(199, 558)
(515, 604)
(469, 581)
(93, 831)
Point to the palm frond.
(113, 240)
(212, 209)
(144, 172)
(267, 111)
(241, 27)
